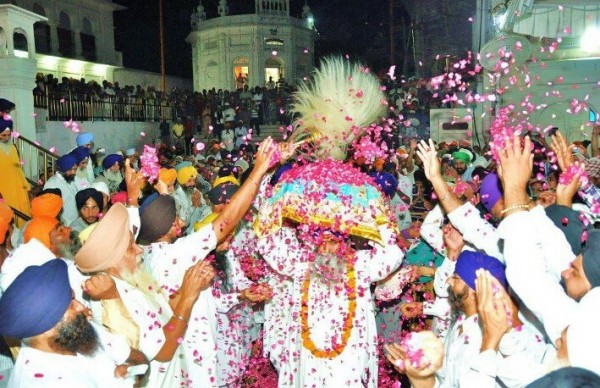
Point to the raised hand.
(495, 309)
(563, 151)
(516, 163)
(265, 153)
(428, 155)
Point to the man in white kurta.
(357, 364)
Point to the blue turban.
(386, 182)
(36, 300)
(490, 191)
(80, 153)
(5, 124)
(84, 138)
(469, 262)
(66, 162)
(181, 165)
(110, 160)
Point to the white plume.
(342, 98)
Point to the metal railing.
(39, 162)
(86, 107)
(19, 216)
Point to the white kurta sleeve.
(195, 246)
(134, 221)
(442, 274)
(431, 230)
(527, 274)
(384, 259)
(475, 230)
(440, 307)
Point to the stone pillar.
(53, 39)
(77, 41)
(17, 75)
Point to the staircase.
(38, 163)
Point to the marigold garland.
(338, 348)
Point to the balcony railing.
(85, 107)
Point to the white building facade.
(230, 51)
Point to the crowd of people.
(83, 100)
(321, 261)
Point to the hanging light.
(590, 40)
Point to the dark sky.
(359, 28)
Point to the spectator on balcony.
(13, 185)
(188, 130)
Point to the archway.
(20, 43)
(66, 44)
(240, 72)
(273, 71)
(41, 32)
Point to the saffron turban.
(66, 162)
(157, 216)
(36, 300)
(186, 173)
(107, 244)
(81, 153)
(6, 217)
(46, 205)
(226, 179)
(110, 160)
(83, 195)
(167, 175)
(469, 262)
(84, 138)
(490, 191)
(39, 228)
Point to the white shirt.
(240, 136)
(168, 264)
(68, 191)
(536, 252)
(476, 230)
(358, 362)
(463, 343)
(35, 368)
(227, 137)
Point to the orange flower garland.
(338, 348)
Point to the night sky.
(357, 28)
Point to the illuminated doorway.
(240, 72)
(273, 72)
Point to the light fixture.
(590, 40)
(499, 14)
(274, 52)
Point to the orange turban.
(107, 244)
(378, 164)
(46, 205)
(6, 216)
(167, 175)
(39, 228)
